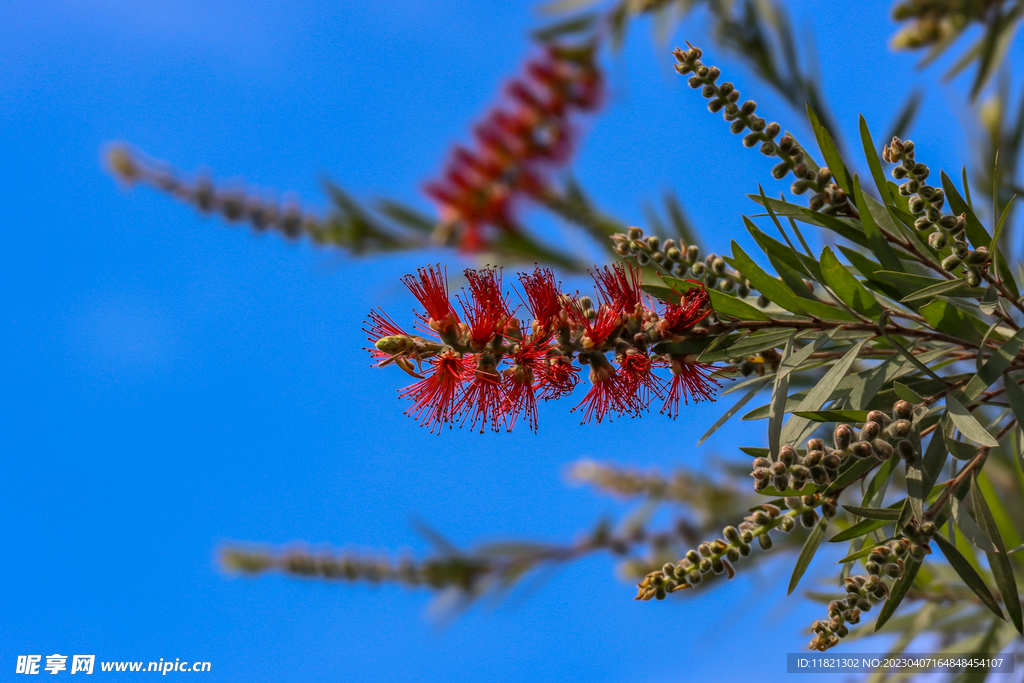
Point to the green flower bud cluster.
(443, 572)
(630, 483)
(863, 591)
(934, 22)
(233, 204)
(946, 233)
(828, 197)
(717, 556)
(877, 438)
(681, 260)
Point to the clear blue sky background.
(170, 383)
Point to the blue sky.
(172, 383)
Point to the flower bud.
(732, 553)
(873, 568)
(972, 277)
(748, 107)
(778, 468)
(882, 448)
(787, 524)
(765, 541)
(737, 126)
(694, 577)
(842, 436)
(937, 240)
(902, 409)
(809, 518)
(862, 449)
(900, 428)
(906, 450)
(787, 457)
(731, 534)
(950, 262)
(704, 549)
(892, 570)
(870, 431)
(831, 461)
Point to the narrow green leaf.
(999, 561)
(911, 281)
(851, 474)
(830, 153)
(968, 424)
(969, 527)
(863, 552)
(976, 232)
(883, 322)
(566, 27)
(848, 288)
(822, 391)
(995, 366)
(844, 227)
(947, 318)
(876, 487)
(777, 407)
(807, 553)
(733, 410)
(898, 591)
(943, 287)
(833, 415)
(933, 460)
(869, 218)
(763, 282)
(907, 394)
(1015, 397)
(871, 154)
(885, 514)
(859, 529)
(968, 573)
(750, 345)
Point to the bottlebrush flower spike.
(559, 378)
(545, 302)
(483, 398)
(637, 371)
(517, 146)
(520, 387)
(619, 287)
(487, 311)
(435, 399)
(608, 393)
(691, 308)
(490, 369)
(690, 379)
(430, 287)
(596, 328)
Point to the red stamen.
(435, 398)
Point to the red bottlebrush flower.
(520, 390)
(543, 298)
(483, 398)
(607, 394)
(430, 287)
(692, 307)
(596, 331)
(435, 398)
(487, 312)
(690, 379)
(558, 378)
(637, 371)
(618, 288)
(517, 146)
(381, 326)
